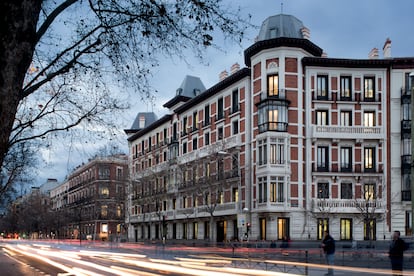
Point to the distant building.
(91, 201)
(291, 145)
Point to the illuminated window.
(369, 158)
(369, 87)
(369, 191)
(346, 229)
(104, 228)
(273, 85)
(276, 189)
(104, 191)
(369, 119)
(104, 211)
(323, 225)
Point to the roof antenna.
(281, 7)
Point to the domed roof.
(281, 25)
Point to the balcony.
(279, 94)
(406, 126)
(405, 195)
(358, 206)
(346, 169)
(273, 126)
(406, 164)
(347, 132)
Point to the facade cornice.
(233, 78)
(346, 63)
(302, 43)
(151, 127)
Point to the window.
(322, 117)
(119, 174)
(323, 225)
(283, 230)
(272, 85)
(195, 143)
(346, 190)
(220, 133)
(220, 109)
(235, 101)
(184, 125)
(235, 127)
(346, 88)
(369, 159)
(104, 173)
(346, 159)
(149, 143)
(104, 191)
(221, 197)
(370, 226)
(235, 195)
(118, 211)
(184, 147)
(323, 190)
(195, 120)
(369, 118)
(207, 138)
(346, 118)
(262, 189)
(262, 151)
(346, 229)
(323, 158)
(104, 211)
(185, 202)
(235, 164)
(273, 116)
(369, 88)
(207, 115)
(277, 151)
(276, 189)
(322, 88)
(369, 191)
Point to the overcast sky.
(343, 29)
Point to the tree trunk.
(18, 23)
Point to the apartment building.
(290, 145)
(91, 201)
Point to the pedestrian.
(396, 253)
(328, 245)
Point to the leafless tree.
(57, 57)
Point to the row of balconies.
(355, 97)
(347, 168)
(337, 206)
(347, 132)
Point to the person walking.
(328, 245)
(396, 253)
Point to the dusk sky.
(343, 29)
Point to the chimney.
(305, 33)
(234, 68)
(141, 121)
(387, 48)
(324, 54)
(223, 75)
(373, 54)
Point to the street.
(21, 257)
